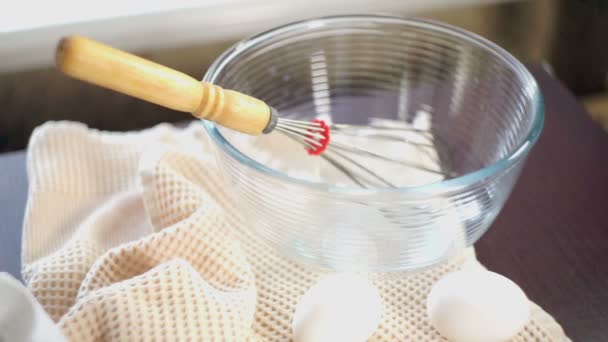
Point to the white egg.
(475, 305)
(340, 307)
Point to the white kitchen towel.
(132, 236)
(21, 316)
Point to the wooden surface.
(551, 238)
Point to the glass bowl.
(481, 104)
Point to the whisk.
(105, 66)
(340, 154)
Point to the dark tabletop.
(551, 238)
(13, 194)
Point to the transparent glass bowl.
(484, 107)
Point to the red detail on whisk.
(317, 150)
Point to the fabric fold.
(135, 236)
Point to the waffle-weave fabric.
(133, 237)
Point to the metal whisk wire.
(308, 133)
(311, 136)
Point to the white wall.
(29, 29)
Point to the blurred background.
(567, 37)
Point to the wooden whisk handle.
(102, 65)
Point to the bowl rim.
(517, 153)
